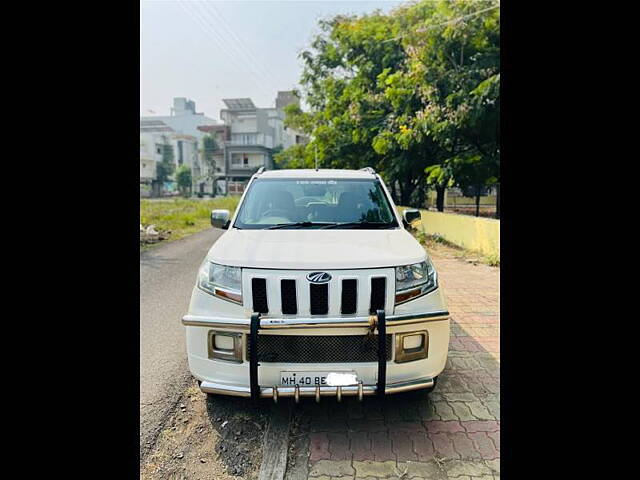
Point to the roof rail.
(368, 170)
(260, 170)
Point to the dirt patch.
(298, 451)
(215, 438)
(146, 240)
(240, 426)
(436, 243)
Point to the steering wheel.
(276, 212)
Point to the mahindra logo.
(318, 277)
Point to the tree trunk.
(402, 196)
(498, 201)
(478, 201)
(405, 196)
(440, 189)
(406, 192)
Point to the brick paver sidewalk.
(452, 433)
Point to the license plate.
(312, 379)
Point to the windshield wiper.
(360, 225)
(298, 225)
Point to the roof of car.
(320, 173)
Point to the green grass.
(181, 217)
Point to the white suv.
(316, 289)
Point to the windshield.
(303, 203)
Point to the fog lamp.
(412, 341)
(411, 346)
(225, 346)
(223, 342)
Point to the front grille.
(319, 294)
(349, 296)
(378, 294)
(259, 289)
(288, 297)
(319, 349)
(349, 292)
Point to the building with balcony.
(249, 141)
(155, 136)
(181, 131)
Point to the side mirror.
(220, 219)
(410, 215)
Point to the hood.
(316, 249)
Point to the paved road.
(167, 275)
(452, 434)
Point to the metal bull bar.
(253, 358)
(382, 352)
(359, 390)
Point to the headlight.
(221, 281)
(415, 280)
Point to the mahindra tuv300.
(316, 289)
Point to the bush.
(183, 177)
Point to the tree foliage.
(414, 93)
(209, 146)
(183, 178)
(166, 167)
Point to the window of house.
(245, 160)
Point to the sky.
(207, 51)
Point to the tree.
(209, 147)
(414, 94)
(292, 157)
(457, 61)
(345, 80)
(183, 177)
(166, 167)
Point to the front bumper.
(208, 314)
(297, 392)
(243, 324)
(246, 380)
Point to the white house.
(246, 138)
(183, 119)
(252, 136)
(180, 131)
(155, 136)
